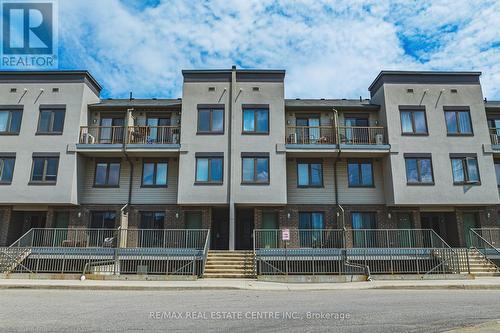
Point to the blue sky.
(330, 49)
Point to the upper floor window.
(360, 173)
(211, 120)
(458, 122)
(209, 169)
(465, 169)
(255, 168)
(107, 174)
(10, 121)
(6, 168)
(309, 173)
(413, 121)
(51, 121)
(497, 171)
(419, 169)
(44, 168)
(154, 173)
(256, 120)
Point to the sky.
(329, 49)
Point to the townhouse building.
(233, 155)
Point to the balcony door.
(494, 125)
(111, 130)
(158, 132)
(307, 129)
(355, 134)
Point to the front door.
(244, 229)
(470, 222)
(405, 236)
(219, 233)
(61, 222)
(270, 233)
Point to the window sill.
(310, 186)
(154, 186)
(36, 183)
(209, 133)
(361, 186)
(421, 184)
(48, 133)
(208, 183)
(254, 133)
(255, 183)
(9, 133)
(465, 184)
(414, 134)
(5, 183)
(106, 186)
(460, 134)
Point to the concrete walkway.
(486, 283)
(488, 327)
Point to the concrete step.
(228, 270)
(228, 275)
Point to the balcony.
(138, 137)
(349, 137)
(495, 138)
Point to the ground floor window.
(311, 225)
(102, 225)
(361, 221)
(152, 233)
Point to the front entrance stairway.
(478, 264)
(229, 264)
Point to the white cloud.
(329, 49)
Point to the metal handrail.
(205, 251)
(473, 231)
(154, 134)
(495, 135)
(101, 134)
(15, 260)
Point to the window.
(107, 174)
(210, 120)
(465, 170)
(310, 229)
(154, 173)
(360, 173)
(309, 174)
(256, 121)
(497, 171)
(419, 170)
(255, 169)
(364, 220)
(152, 234)
(102, 231)
(6, 169)
(44, 169)
(209, 170)
(458, 122)
(51, 121)
(103, 220)
(413, 122)
(10, 121)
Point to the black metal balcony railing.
(136, 135)
(351, 135)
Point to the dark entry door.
(220, 229)
(22, 221)
(244, 229)
(470, 222)
(431, 221)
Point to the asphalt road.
(72, 311)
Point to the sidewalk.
(486, 283)
(488, 327)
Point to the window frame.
(250, 107)
(465, 167)
(9, 119)
(456, 111)
(52, 111)
(309, 162)
(360, 174)
(419, 157)
(211, 109)
(45, 157)
(155, 162)
(209, 157)
(495, 163)
(256, 157)
(2, 166)
(412, 111)
(108, 162)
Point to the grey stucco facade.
(335, 134)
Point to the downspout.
(232, 212)
(131, 164)
(337, 157)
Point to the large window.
(209, 169)
(465, 169)
(360, 173)
(497, 171)
(102, 233)
(256, 120)
(360, 221)
(210, 120)
(419, 169)
(311, 225)
(255, 169)
(107, 174)
(458, 122)
(154, 173)
(44, 169)
(413, 122)
(151, 233)
(10, 121)
(309, 173)
(6, 169)
(51, 121)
